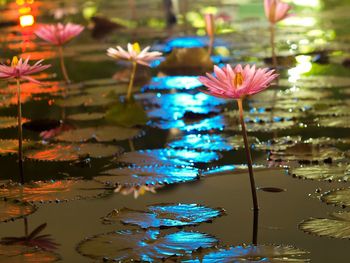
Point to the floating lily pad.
(72, 152)
(53, 191)
(9, 122)
(339, 197)
(308, 153)
(211, 142)
(278, 144)
(336, 122)
(25, 254)
(318, 81)
(127, 114)
(322, 172)
(100, 134)
(86, 116)
(229, 169)
(164, 215)
(150, 246)
(86, 100)
(154, 175)
(11, 146)
(249, 253)
(173, 82)
(328, 141)
(13, 210)
(337, 227)
(167, 157)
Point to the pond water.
(96, 169)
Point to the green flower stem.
(272, 43)
(63, 66)
(248, 155)
(20, 132)
(131, 83)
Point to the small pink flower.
(238, 82)
(134, 54)
(59, 34)
(275, 10)
(20, 69)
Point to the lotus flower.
(275, 10)
(134, 54)
(21, 70)
(238, 82)
(59, 34)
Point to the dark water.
(313, 102)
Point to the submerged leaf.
(72, 152)
(167, 157)
(322, 172)
(100, 134)
(339, 197)
(337, 227)
(53, 191)
(154, 175)
(13, 210)
(250, 253)
(164, 215)
(149, 246)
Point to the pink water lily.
(21, 70)
(59, 34)
(134, 54)
(275, 10)
(238, 82)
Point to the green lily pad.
(164, 215)
(322, 172)
(9, 122)
(86, 116)
(72, 152)
(337, 227)
(338, 197)
(149, 246)
(334, 122)
(100, 134)
(127, 114)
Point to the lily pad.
(13, 210)
(25, 254)
(100, 134)
(278, 144)
(337, 227)
(322, 172)
(127, 114)
(211, 142)
(153, 175)
(86, 116)
(9, 122)
(316, 82)
(334, 122)
(54, 191)
(338, 197)
(167, 157)
(86, 100)
(72, 152)
(249, 253)
(229, 169)
(149, 246)
(8, 147)
(164, 215)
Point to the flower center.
(14, 61)
(136, 47)
(238, 80)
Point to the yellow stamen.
(238, 80)
(136, 47)
(14, 61)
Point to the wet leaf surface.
(72, 152)
(153, 175)
(100, 134)
(8, 147)
(338, 122)
(24, 254)
(167, 157)
(338, 197)
(278, 144)
(10, 211)
(250, 253)
(164, 215)
(9, 122)
(337, 227)
(150, 246)
(87, 116)
(322, 172)
(53, 191)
